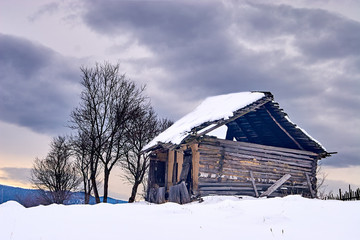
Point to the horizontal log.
(243, 184)
(255, 153)
(227, 193)
(259, 182)
(238, 159)
(245, 168)
(259, 146)
(264, 163)
(294, 162)
(224, 184)
(209, 149)
(257, 159)
(266, 168)
(259, 172)
(226, 189)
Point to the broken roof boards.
(246, 116)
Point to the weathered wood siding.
(224, 168)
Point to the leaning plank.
(253, 183)
(276, 185)
(179, 193)
(312, 192)
(152, 195)
(160, 196)
(184, 194)
(174, 194)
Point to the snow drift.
(291, 217)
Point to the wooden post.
(310, 185)
(180, 161)
(170, 169)
(276, 185)
(253, 183)
(195, 166)
(340, 193)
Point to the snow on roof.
(211, 109)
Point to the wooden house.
(234, 144)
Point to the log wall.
(225, 168)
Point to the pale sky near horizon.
(307, 53)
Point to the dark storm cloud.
(16, 174)
(161, 23)
(37, 85)
(319, 34)
(308, 58)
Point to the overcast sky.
(306, 52)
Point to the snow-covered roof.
(211, 109)
(246, 117)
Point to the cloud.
(307, 57)
(38, 85)
(48, 8)
(21, 175)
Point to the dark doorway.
(158, 168)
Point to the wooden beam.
(283, 129)
(253, 183)
(276, 185)
(312, 192)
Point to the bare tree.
(79, 146)
(140, 131)
(55, 175)
(108, 102)
(320, 182)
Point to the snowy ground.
(292, 217)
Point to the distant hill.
(29, 197)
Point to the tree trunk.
(133, 192)
(88, 188)
(87, 198)
(106, 184)
(96, 193)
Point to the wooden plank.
(253, 183)
(312, 192)
(276, 185)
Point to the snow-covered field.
(292, 217)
